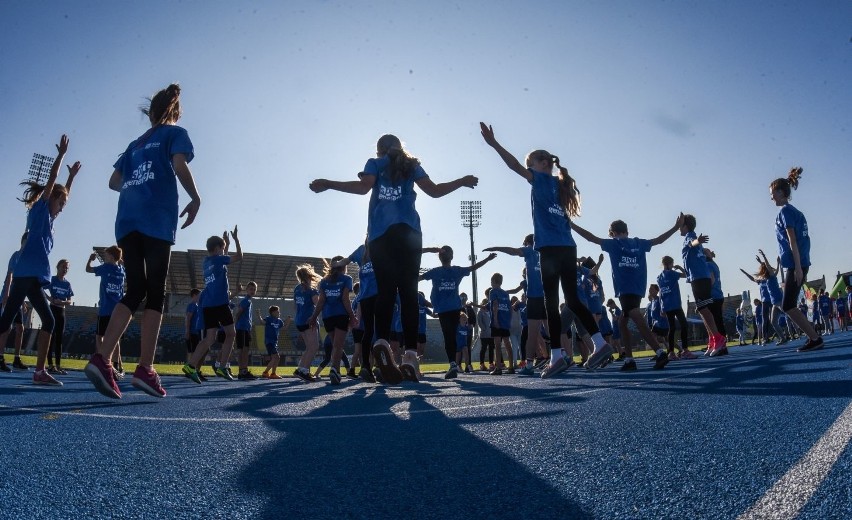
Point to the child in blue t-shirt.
(336, 309)
(629, 279)
(60, 297)
(501, 322)
(32, 270)
(271, 330)
(215, 305)
(305, 297)
(111, 273)
(740, 324)
(463, 331)
(243, 325)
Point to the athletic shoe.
(482, 368)
(60, 372)
(100, 375)
(4, 367)
(686, 354)
(224, 372)
(555, 368)
(467, 370)
(201, 376)
(367, 375)
(660, 360)
(719, 347)
(377, 375)
(273, 376)
(599, 356)
(116, 374)
(541, 363)
(304, 375)
(351, 374)
(811, 344)
(148, 381)
(511, 370)
(621, 357)
(18, 364)
(528, 370)
(50, 370)
(453, 372)
(607, 361)
(673, 356)
(246, 376)
(334, 377)
(496, 372)
(41, 377)
(190, 372)
(711, 345)
(629, 365)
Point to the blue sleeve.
(606, 245)
(99, 270)
(180, 143)
(420, 173)
(645, 245)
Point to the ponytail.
(569, 194)
(402, 164)
(785, 185)
(34, 191)
(164, 107)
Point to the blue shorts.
(272, 350)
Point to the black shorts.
(192, 342)
(497, 332)
(243, 339)
(303, 328)
(701, 290)
(217, 316)
(357, 335)
(660, 332)
(103, 321)
(535, 309)
(395, 335)
(629, 302)
(333, 323)
(421, 337)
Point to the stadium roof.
(275, 275)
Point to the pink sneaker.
(100, 374)
(148, 381)
(41, 377)
(686, 354)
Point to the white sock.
(598, 340)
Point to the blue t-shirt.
(366, 276)
(396, 318)
(716, 290)
(148, 202)
(13, 260)
(304, 300)
(198, 322)
(462, 334)
(790, 217)
(112, 287)
(776, 295)
(271, 329)
(60, 289)
(551, 226)
(216, 280)
(391, 203)
(656, 316)
(502, 319)
(245, 321)
(669, 283)
(694, 261)
(534, 288)
(582, 273)
(825, 305)
(33, 261)
(840, 305)
(195, 325)
(522, 314)
(333, 290)
(616, 330)
(758, 313)
(740, 322)
(445, 287)
(629, 268)
(421, 314)
(594, 294)
(764, 291)
(360, 325)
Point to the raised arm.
(238, 256)
(72, 172)
(594, 270)
(516, 290)
(61, 150)
(484, 261)
(89, 268)
(514, 251)
(430, 250)
(509, 159)
(667, 234)
(586, 234)
(697, 241)
(681, 269)
(343, 262)
(360, 187)
(439, 190)
(750, 277)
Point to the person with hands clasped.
(395, 240)
(32, 270)
(146, 177)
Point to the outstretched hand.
(62, 147)
(469, 181)
(679, 221)
(487, 134)
(74, 169)
(318, 185)
(190, 210)
(703, 239)
(234, 233)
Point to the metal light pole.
(40, 168)
(471, 217)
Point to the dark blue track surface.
(701, 439)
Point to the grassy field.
(287, 371)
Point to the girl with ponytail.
(146, 177)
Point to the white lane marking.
(790, 494)
(391, 413)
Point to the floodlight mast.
(471, 217)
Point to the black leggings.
(525, 333)
(681, 320)
(792, 288)
(56, 339)
(487, 345)
(449, 326)
(327, 359)
(396, 263)
(368, 315)
(146, 264)
(559, 266)
(716, 309)
(26, 288)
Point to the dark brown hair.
(402, 163)
(792, 181)
(164, 106)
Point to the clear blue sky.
(655, 107)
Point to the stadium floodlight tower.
(40, 169)
(471, 217)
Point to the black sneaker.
(304, 375)
(498, 371)
(19, 364)
(201, 376)
(334, 377)
(367, 375)
(811, 344)
(377, 375)
(351, 374)
(4, 367)
(661, 359)
(629, 366)
(246, 376)
(467, 370)
(620, 358)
